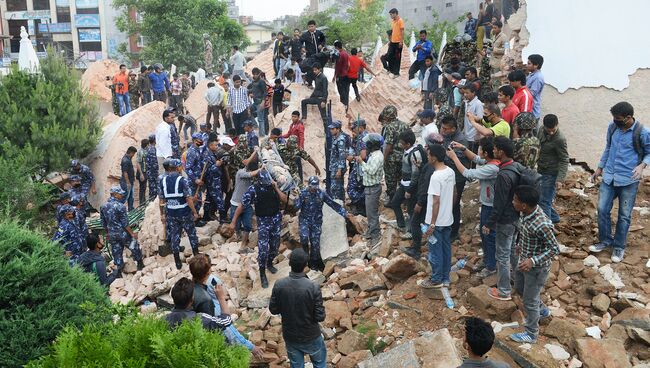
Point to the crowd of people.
(467, 131)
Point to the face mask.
(619, 123)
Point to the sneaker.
(617, 255)
(407, 236)
(272, 269)
(598, 247)
(496, 294)
(544, 313)
(485, 273)
(428, 284)
(523, 337)
(446, 284)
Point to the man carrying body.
(290, 153)
(119, 234)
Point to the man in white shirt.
(164, 134)
(238, 61)
(214, 96)
(439, 218)
(425, 127)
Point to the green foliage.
(143, 341)
(21, 197)
(46, 118)
(40, 294)
(173, 30)
(436, 29)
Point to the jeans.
(129, 193)
(353, 83)
(160, 96)
(372, 210)
(146, 98)
(315, 349)
(142, 191)
(238, 120)
(547, 195)
(396, 205)
(191, 127)
(626, 196)
(529, 286)
(488, 241)
(505, 234)
(261, 118)
(428, 102)
(125, 103)
(233, 336)
(440, 255)
(245, 220)
(299, 167)
(416, 232)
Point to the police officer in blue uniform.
(338, 155)
(76, 190)
(87, 177)
(67, 234)
(214, 178)
(80, 221)
(266, 197)
(116, 223)
(64, 198)
(355, 178)
(177, 209)
(151, 163)
(195, 160)
(310, 203)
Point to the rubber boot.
(177, 260)
(271, 268)
(263, 279)
(195, 251)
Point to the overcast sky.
(271, 9)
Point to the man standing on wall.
(396, 43)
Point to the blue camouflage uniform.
(115, 220)
(355, 179)
(310, 220)
(194, 161)
(338, 155)
(87, 177)
(80, 221)
(252, 139)
(269, 221)
(67, 234)
(65, 196)
(174, 190)
(214, 174)
(76, 192)
(175, 141)
(151, 162)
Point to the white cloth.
(427, 131)
(163, 140)
(238, 61)
(214, 95)
(441, 184)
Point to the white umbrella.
(27, 59)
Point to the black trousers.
(353, 83)
(238, 120)
(417, 66)
(312, 101)
(343, 86)
(394, 57)
(455, 227)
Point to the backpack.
(527, 176)
(423, 156)
(636, 139)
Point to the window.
(429, 7)
(90, 46)
(87, 10)
(63, 14)
(41, 4)
(14, 29)
(140, 42)
(16, 5)
(138, 17)
(449, 5)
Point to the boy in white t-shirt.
(439, 217)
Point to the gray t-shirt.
(487, 176)
(487, 363)
(243, 180)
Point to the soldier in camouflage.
(310, 203)
(441, 107)
(265, 196)
(115, 221)
(67, 234)
(177, 209)
(151, 163)
(527, 145)
(134, 91)
(289, 151)
(355, 177)
(392, 151)
(186, 86)
(87, 177)
(338, 155)
(485, 75)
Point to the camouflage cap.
(441, 95)
(67, 208)
(116, 189)
(525, 120)
(389, 113)
(242, 139)
(75, 178)
(292, 140)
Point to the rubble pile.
(196, 104)
(94, 78)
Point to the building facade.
(260, 37)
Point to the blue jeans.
(529, 286)
(233, 336)
(488, 242)
(547, 195)
(505, 235)
(245, 220)
(129, 194)
(440, 255)
(125, 103)
(315, 349)
(626, 196)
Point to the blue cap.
(174, 162)
(249, 122)
(359, 123)
(74, 163)
(116, 189)
(265, 178)
(198, 136)
(313, 181)
(64, 196)
(152, 137)
(67, 208)
(334, 124)
(75, 200)
(75, 178)
(426, 114)
(203, 125)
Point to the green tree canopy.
(173, 30)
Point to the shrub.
(142, 341)
(40, 294)
(22, 197)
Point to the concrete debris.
(557, 352)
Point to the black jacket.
(300, 303)
(94, 262)
(202, 302)
(308, 41)
(458, 137)
(320, 90)
(423, 184)
(504, 189)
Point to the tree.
(46, 118)
(40, 294)
(173, 30)
(437, 29)
(139, 341)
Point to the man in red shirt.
(341, 70)
(508, 113)
(523, 99)
(297, 128)
(355, 65)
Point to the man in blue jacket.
(423, 47)
(159, 84)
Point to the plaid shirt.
(177, 87)
(536, 239)
(238, 99)
(373, 170)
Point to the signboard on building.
(86, 20)
(90, 35)
(54, 28)
(27, 14)
(86, 4)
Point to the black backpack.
(423, 156)
(636, 139)
(527, 176)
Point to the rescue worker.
(119, 233)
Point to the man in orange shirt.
(121, 83)
(396, 43)
(508, 113)
(355, 65)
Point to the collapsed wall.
(94, 78)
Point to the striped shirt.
(238, 99)
(373, 170)
(536, 239)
